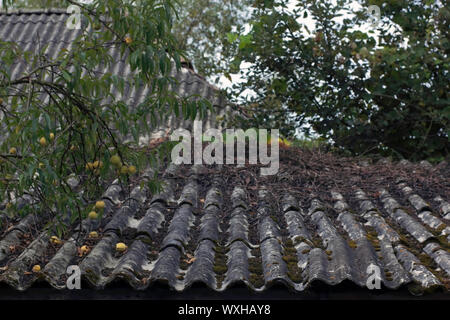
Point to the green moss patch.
(291, 260)
(256, 269)
(220, 265)
(352, 244)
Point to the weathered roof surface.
(221, 226)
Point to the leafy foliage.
(79, 132)
(202, 32)
(385, 95)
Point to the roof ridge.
(34, 11)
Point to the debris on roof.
(222, 225)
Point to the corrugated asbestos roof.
(198, 229)
(35, 29)
(204, 228)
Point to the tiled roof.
(220, 228)
(34, 29)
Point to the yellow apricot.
(43, 141)
(36, 268)
(100, 205)
(121, 247)
(93, 215)
(132, 169)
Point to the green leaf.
(66, 76)
(232, 37)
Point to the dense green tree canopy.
(202, 30)
(384, 90)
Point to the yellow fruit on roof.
(93, 235)
(84, 249)
(13, 150)
(43, 141)
(124, 170)
(97, 164)
(36, 268)
(115, 160)
(55, 240)
(132, 169)
(128, 40)
(121, 247)
(281, 141)
(93, 215)
(52, 136)
(284, 143)
(89, 166)
(100, 205)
